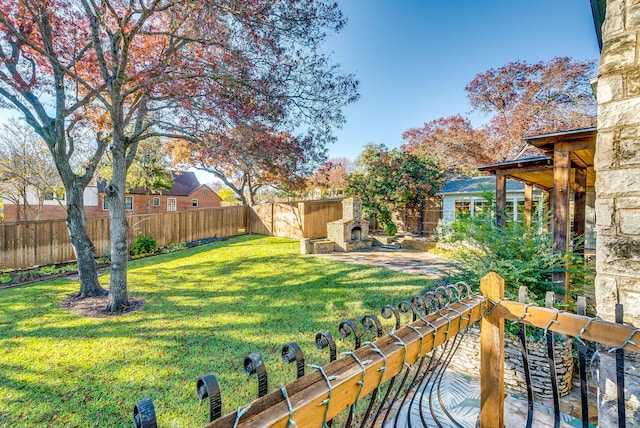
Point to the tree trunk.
(82, 245)
(118, 232)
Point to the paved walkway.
(391, 257)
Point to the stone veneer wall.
(617, 165)
(467, 361)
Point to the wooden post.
(579, 208)
(501, 199)
(546, 209)
(528, 204)
(561, 171)
(492, 356)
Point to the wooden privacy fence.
(33, 243)
(294, 220)
(379, 382)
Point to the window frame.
(156, 199)
(172, 203)
(194, 203)
(127, 206)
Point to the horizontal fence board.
(595, 330)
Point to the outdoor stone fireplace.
(351, 232)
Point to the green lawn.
(205, 309)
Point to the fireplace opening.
(356, 234)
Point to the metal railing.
(371, 384)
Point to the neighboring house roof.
(184, 184)
(205, 187)
(477, 185)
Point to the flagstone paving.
(395, 258)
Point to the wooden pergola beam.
(528, 204)
(501, 199)
(561, 176)
(579, 208)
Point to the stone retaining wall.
(467, 361)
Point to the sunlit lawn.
(205, 309)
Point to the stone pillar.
(617, 165)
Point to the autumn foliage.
(247, 159)
(518, 99)
(452, 141)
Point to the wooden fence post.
(492, 356)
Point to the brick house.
(186, 193)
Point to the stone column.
(617, 165)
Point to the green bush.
(522, 255)
(385, 219)
(49, 270)
(390, 229)
(144, 245)
(173, 247)
(5, 278)
(27, 275)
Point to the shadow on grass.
(206, 308)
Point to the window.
(128, 203)
(481, 207)
(54, 196)
(156, 201)
(462, 208)
(194, 203)
(171, 204)
(204, 192)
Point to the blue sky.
(413, 58)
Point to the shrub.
(5, 278)
(521, 255)
(49, 270)
(390, 229)
(385, 219)
(173, 247)
(143, 245)
(27, 275)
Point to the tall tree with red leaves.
(523, 99)
(452, 141)
(183, 69)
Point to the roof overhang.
(538, 171)
(598, 9)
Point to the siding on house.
(470, 190)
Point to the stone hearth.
(352, 231)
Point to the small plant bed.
(142, 247)
(15, 278)
(205, 309)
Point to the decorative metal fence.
(396, 379)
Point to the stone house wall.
(617, 165)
